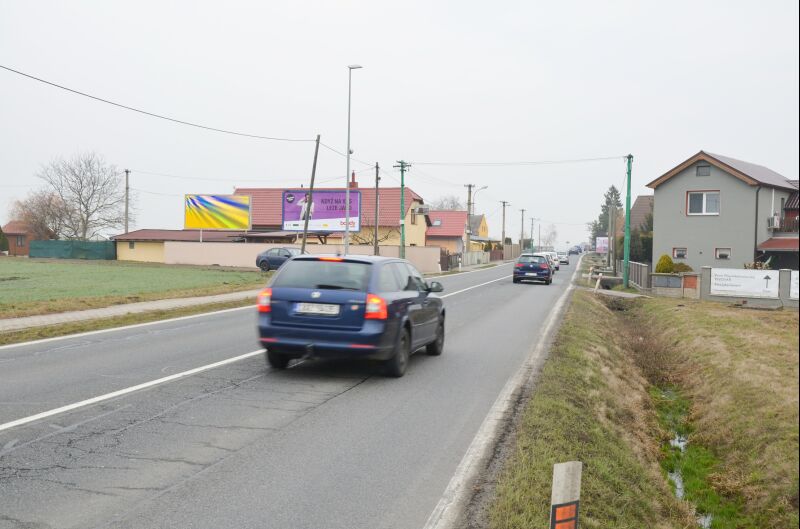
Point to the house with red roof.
(266, 208)
(447, 230)
(19, 237)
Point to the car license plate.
(532, 274)
(323, 309)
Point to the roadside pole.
(540, 240)
(565, 496)
(626, 264)
(522, 232)
(377, 201)
(504, 223)
(127, 190)
(310, 196)
(403, 166)
(469, 216)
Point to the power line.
(504, 164)
(152, 114)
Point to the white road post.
(565, 498)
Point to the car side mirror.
(435, 286)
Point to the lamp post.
(347, 174)
(475, 194)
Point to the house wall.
(732, 228)
(145, 251)
(452, 244)
(766, 210)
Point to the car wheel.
(436, 347)
(397, 364)
(515, 280)
(264, 266)
(548, 282)
(277, 360)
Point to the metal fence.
(638, 273)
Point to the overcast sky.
(456, 81)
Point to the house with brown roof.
(713, 210)
(447, 230)
(266, 206)
(641, 209)
(19, 236)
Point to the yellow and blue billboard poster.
(217, 212)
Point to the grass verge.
(627, 376)
(64, 329)
(30, 287)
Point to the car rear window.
(531, 259)
(323, 275)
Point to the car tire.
(397, 364)
(277, 360)
(515, 280)
(436, 347)
(264, 266)
(548, 282)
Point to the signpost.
(750, 283)
(324, 210)
(566, 495)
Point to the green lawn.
(39, 286)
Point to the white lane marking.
(474, 286)
(114, 394)
(119, 393)
(124, 327)
(456, 496)
(471, 271)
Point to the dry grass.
(741, 374)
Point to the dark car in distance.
(324, 306)
(533, 267)
(273, 258)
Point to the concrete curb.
(450, 511)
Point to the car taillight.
(264, 300)
(519, 265)
(376, 308)
(545, 267)
(331, 259)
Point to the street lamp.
(347, 174)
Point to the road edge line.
(454, 501)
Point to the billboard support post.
(310, 196)
(377, 202)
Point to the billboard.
(326, 211)
(601, 245)
(216, 212)
(749, 283)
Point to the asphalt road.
(321, 445)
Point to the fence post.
(566, 495)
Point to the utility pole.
(627, 255)
(540, 231)
(127, 189)
(310, 200)
(403, 166)
(540, 236)
(504, 221)
(377, 202)
(522, 232)
(469, 216)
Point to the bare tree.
(91, 192)
(448, 202)
(369, 238)
(550, 236)
(43, 212)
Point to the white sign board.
(793, 287)
(601, 245)
(744, 283)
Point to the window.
(702, 203)
(20, 240)
(679, 253)
(413, 216)
(437, 222)
(722, 253)
(131, 245)
(703, 170)
(419, 281)
(323, 275)
(388, 280)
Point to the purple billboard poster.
(326, 210)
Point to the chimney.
(353, 183)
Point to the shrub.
(681, 267)
(665, 265)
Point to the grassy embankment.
(623, 378)
(37, 286)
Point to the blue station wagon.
(353, 306)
